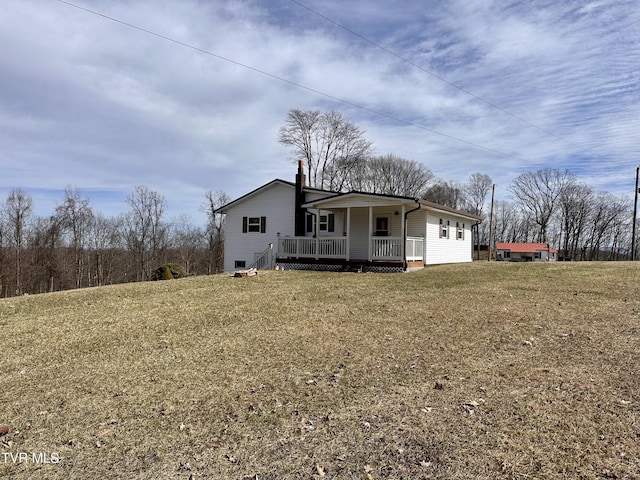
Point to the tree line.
(549, 205)
(77, 247)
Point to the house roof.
(525, 247)
(246, 196)
(336, 198)
(436, 206)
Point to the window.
(506, 254)
(459, 231)
(240, 264)
(327, 222)
(382, 226)
(538, 255)
(254, 224)
(444, 228)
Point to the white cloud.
(99, 105)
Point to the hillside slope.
(484, 370)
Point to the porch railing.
(414, 249)
(382, 248)
(323, 247)
(386, 248)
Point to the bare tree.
(105, 241)
(330, 145)
(186, 241)
(214, 232)
(476, 191)
(391, 175)
(576, 203)
(74, 217)
(17, 210)
(608, 212)
(505, 221)
(447, 194)
(145, 233)
(46, 270)
(538, 193)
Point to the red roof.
(525, 247)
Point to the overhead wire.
(435, 75)
(290, 82)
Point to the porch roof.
(364, 199)
(359, 199)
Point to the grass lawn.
(471, 371)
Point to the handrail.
(265, 260)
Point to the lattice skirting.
(339, 268)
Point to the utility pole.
(493, 191)
(635, 211)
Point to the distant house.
(298, 227)
(525, 252)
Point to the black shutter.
(309, 223)
(244, 224)
(263, 224)
(332, 222)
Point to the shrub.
(169, 271)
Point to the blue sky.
(97, 105)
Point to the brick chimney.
(301, 181)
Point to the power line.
(435, 75)
(291, 82)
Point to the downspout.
(404, 235)
(477, 225)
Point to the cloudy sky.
(186, 96)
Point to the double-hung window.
(459, 231)
(327, 222)
(254, 224)
(444, 228)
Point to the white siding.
(276, 203)
(360, 228)
(359, 233)
(447, 250)
(415, 224)
(522, 257)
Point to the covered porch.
(365, 229)
(382, 248)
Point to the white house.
(525, 252)
(295, 226)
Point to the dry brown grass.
(485, 370)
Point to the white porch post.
(370, 230)
(317, 233)
(424, 243)
(403, 242)
(348, 233)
